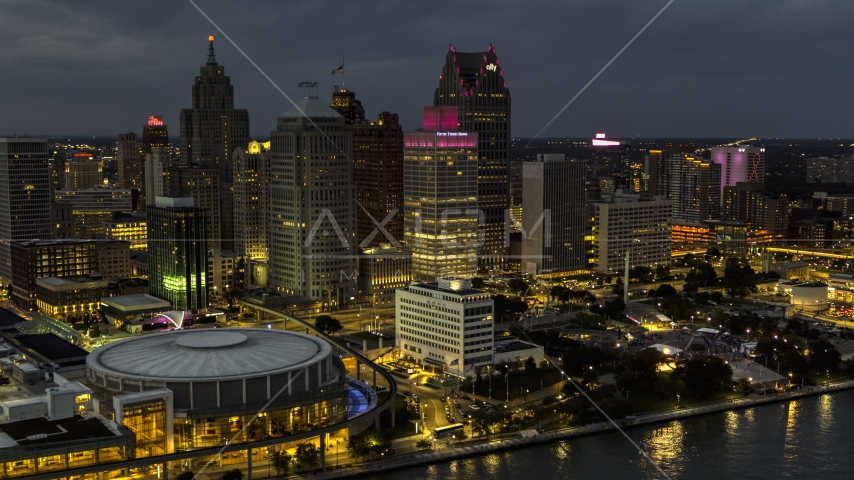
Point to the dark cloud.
(704, 68)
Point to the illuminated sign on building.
(600, 141)
(155, 120)
(492, 67)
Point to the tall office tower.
(83, 171)
(24, 195)
(129, 162)
(553, 219)
(747, 202)
(211, 131)
(739, 164)
(474, 83)
(312, 197)
(154, 134)
(203, 186)
(177, 253)
(693, 184)
(440, 168)
(251, 182)
(377, 170)
(455, 331)
(626, 223)
(158, 163)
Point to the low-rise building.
(226, 271)
(130, 308)
(74, 299)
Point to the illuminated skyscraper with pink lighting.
(474, 83)
(739, 164)
(440, 197)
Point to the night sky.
(710, 68)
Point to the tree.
(743, 386)
(530, 365)
(641, 273)
(327, 324)
(702, 274)
(307, 455)
(517, 285)
(477, 283)
(614, 308)
(281, 462)
(424, 444)
(507, 310)
(664, 291)
(234, 474)
(662, 271)
(823, 356)
(704, 374)
(739, 278)
(639, 370)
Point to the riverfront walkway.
(480, 447)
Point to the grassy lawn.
(525, 380)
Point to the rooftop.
(227, 353)
(9, 319)
(76, 279)
(137, 301)
(74, 428)
(50, 346)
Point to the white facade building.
(627, 223)
(446, 324)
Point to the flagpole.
(343, 74)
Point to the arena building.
(189, 389)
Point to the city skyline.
(703, 72)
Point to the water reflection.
(809, 438)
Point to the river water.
(806, 438)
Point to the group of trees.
(564, 294)
(791, 355)
(739, 278)
(367, 444)
(704, 375)
(507, 309)
(611, 309)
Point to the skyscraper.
(82, 171)
(553, 218)
(739, 164)
(129, 163)
(158, 162)
(211, 131)
(203, 186)
(440, 167)
(377, 171)
(25, 195)
(474, 83)
(251, 183)
(312, 229)
(154, 134)
(627, 223)
(177, 253)
(692, 183)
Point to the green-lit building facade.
(177, 252)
